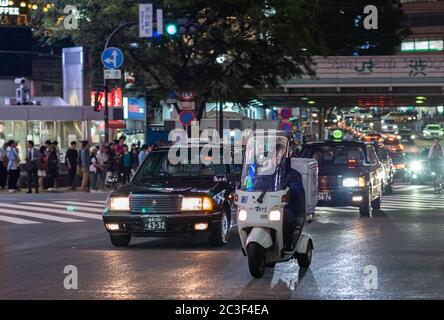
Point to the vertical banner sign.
(145, 20)
(159, 18)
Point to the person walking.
(93, 170)
(32, 160)
(53, 168)
(102, 159)
(125, 165)
(143, 153)
(84, 163)
(134, 159)
(71, 158)
(42, 167)
(13, 166)
(3, 165)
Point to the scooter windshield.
(264, 167)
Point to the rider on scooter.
(436, 158)
(294, 216)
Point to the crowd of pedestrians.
(87, 166)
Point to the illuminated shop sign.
(6, 9)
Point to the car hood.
(174, 186)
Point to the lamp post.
(105, 81)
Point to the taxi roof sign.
(338, 134)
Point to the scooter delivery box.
(308, 168)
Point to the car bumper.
(176, 224)
(344, 198)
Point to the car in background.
(406, 135)
(374, 137)
(393, 145)
(433, 131)
(350, 174)
(418, 169)
(400, 163)
(388, 168)
(388, 125)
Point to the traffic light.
(182, 26)
(98, 101)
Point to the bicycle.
(436, 171)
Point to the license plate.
(324, 196)
(154, 224)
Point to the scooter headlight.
(242, 215)
(274, 215)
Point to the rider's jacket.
(436, 152)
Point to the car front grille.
(155, 203)
(330, 182)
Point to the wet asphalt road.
(405, 242)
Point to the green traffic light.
(171, 29)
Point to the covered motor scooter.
(276, 193)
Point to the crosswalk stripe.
(61, 206)
(38, 216)
(49, 210)
(83, 204)
(17, 220)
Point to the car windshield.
(158, 165)
(389, 121)
(405, 131)
(335, 154)
(264, 168)
(434, 128)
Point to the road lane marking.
(38, 216)
(49, 210)
(61, 206)
(17, 220)
(84, 204)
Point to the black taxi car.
(170, 198)
(350, 174)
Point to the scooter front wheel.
(304, 259)
(256, 259)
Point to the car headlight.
(350, 182)
(416, 166)
(395, 127)
(118, 204)
(426, 133)
(441, 133)
(399, 137)
(385, 127)
(197, 204)
(413, 137)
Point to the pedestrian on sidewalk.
(125, 165)
(42, 167)
(143, 153)
(111, 162)
(84, 163)
(134, 159)
(32, 160)
(101, 162)
(53, 168)
(3, 165)
(71, 161)
(13, 166)
(93, 170)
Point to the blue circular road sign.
(186, 117)
(112, 58)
